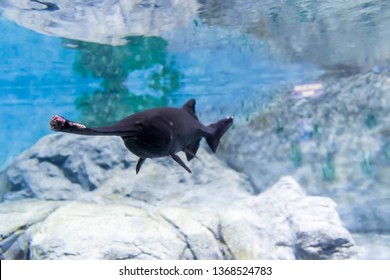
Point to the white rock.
(16, 215)
(282, 223)
(161, 213)
(92, 231)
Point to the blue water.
(96, 62)
(235, 76)
(37, 80)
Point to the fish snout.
(57, 122)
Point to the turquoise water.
(37, 79)
(44, 75)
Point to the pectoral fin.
(179, 161)
(139, 164)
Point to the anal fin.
(189, 154)
(179, 161)
(191, 150)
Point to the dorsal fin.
(190, 107)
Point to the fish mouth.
(60, 123)
(57, 122)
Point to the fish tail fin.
(219, 128)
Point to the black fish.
(156, 132)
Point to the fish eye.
(140, 125)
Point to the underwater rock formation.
(336, 144)
(75, 197)
(65, 167)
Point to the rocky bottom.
(372, 246)
(74, 197)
